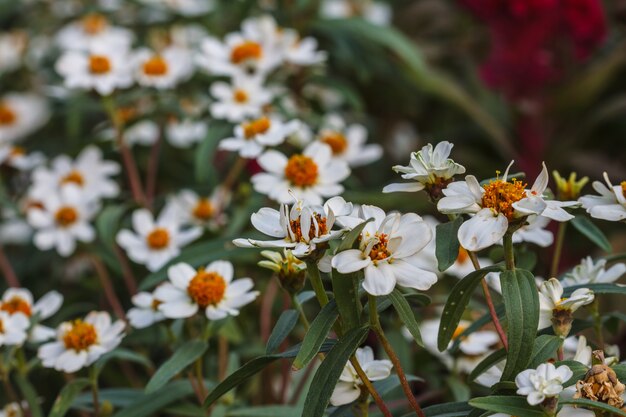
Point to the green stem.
(509, 256)
(300, 310)
(558, 249)
(93, 377)
(597, 322)
(316, 282)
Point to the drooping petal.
(483, 230)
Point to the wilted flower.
(590, 272)
(556, 310)
(544, 382)
(610, 204)
(601, 383)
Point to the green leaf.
(458, 388)
(544, 349)
(352, 237)
(491, 360)
(457, 301)
(389, 384)
(266, 411)
(447, 243)
(204, 166)
(578, 369)
(66, 397)
(329, 371)
(285, 324)
(595, 404)
(521, 302)
(346, 292)
(517, 406)
(29, 393)
(459, 409)
(597, 289)
(148, 404)
(107, 224)
(585, 226)
(313, 340)
(183, 357)
(125, 355)
(405, 313)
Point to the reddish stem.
(153, 170)
(107, 286)
(127, 272)
(7, 270)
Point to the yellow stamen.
(66, 216)
(296, 228)
(500, 196)
(301, 171)
(256, 127)
(337, 141)
(80, 336)
(246, 51)
(74, 177)
(240, 96)
(207, 288)
(94, 23)
(203, 210)
(99, 64)
(155, 66)
(623, 184)
(158, 238)
(463, 255)
(16, 305)
(379, 251)
(7, 115)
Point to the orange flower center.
(463, 255)
(74, 177)
(1, 326)
(155, 66)
(94, 23)
(379, 251)
(155, 304)
(500, 196)
(459, 330)
(623, 184)
(336, 141)
(66, 216)
(246, 51)
(301, 171)
(158, 238)
(203, 210)
(256, 127)
(16, 305)
(17, 151)
(80, 336)
(240, 96)
(99, 64)
(7, 115)
(296, 228)
(207, 288)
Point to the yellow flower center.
(500, 196)
(66, 216)
(74, 177)
(463, 255)
(7, 115)
(94, 23)
(379, 251)
(296, 228)
(16, 305)
(17, 151)
(336, 141)
(158, 238)
(207, 288)
(155, 304)
(99, 64)
(80, 336)
(240, 96)
(256, 127)
(623, 184)
(155, 66)
(246, 51)
(1, 326)
(301, 171)
(203, 210)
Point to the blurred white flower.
(93, 28)
(566, 411)
(610, 204)
(544, 382)
(348, 144)
(242, 98)
(20, 301)
(162, 70)
(12, 46)
(590, 272)
(206, 211)
(145, 311)
(13, 329)
(17, 158)
(20, 115)
(13, 410)
(376, 12)
(144, 133)
(252, 137)
(13, 228)
(551, 299)
(300, 51)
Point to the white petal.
(483, 230)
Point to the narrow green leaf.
(285, 324)
(66, 397)
(183, 357)
(594, 404)
(457, 301)
(407, 316)
(514, 405)
(459, 409)
(204, 166)
(521, 302)
(544, 349)
(352, 237)
(316, 335)
(346, 291)
(597, 289)
(391, 383)
(591, 232)
(107, 224)
(491, 360)
(266, 411)
(447, 243)
(148, 404)
(30, 394)
(125, 355)
(329, 371)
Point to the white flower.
(102, 67)
(88, 171)
(62, 219)
(495, 205)
(388, 252)
(311, 175)
(154, 243)
(544, 382)
(534, 232)
(428, 167)
(348, 388)
(13, 329)
(300, 51)
(610, 204)
(566, 411)
(12, 410)
(20, 115)
(211, 289)
(80, 343)
(93, 28)
(145, 311)
(288, 226)
(12, 46)
(207, 211)
(551, 299)
(252, 137)
(183, 134)
(144, 132)
(590, 272)
(20, 301)
(13, 228)
(162, 70)
(244, 97)
(577, 349)
(348, 144)
(17, 158)
(375, 12)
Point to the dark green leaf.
(595, 404)
(316, 335)
(30, 395)
(591, 231)
(579, 370)
(125, 355)
(460, 409)
(107, 224)
(346, 291)
(514, 405)
(183, 357)
(405, 313)
(66, 397)
(204, 166)
(391, 383)
(148, 404)
(352, 236)
(447, 243)
(491, 360)
(285, 324)
(544, 349)
(266, 411)
(597, 289)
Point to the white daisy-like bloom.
(252, 137)
(544, 382)
(143, 133)
(497, 204)
(184, 133)
(244, 97)
(590, 272)
(534, 232)
(12, 46)
(162, 70)
(88, 171)
(81, 342)
(189, 8)
(566, 411)
(20, 115)
(154, 243)
(145, 311)
(62, 218)
(13, 329)
(17, 158)
(311, 175)
(13, 228)
(210, 289)
(429, 167)
(388, 252)
(348, 388)
(375, 12)
(102, 67)
(205, 211)
(93, 28)
(13, 410)
(20, 301)
(610, 204)
(348, 144)
(300, 51)
(551, 299)
(288, 226)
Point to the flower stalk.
(558, 249)
(509, 255)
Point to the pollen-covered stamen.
(74, 177)
(7, 115)
(155, 304)
(99, 64)
(66, 216)
(623, 184)
(155, 66)
(245, 51)
(317, 228)
(256, 127)
(203, 210)
(240, 96)
(336, 140)
(159, 238)
(207, 288)
(379, 251)
(500, 196)
(80, 336)
(94, 23)
(16, 305)
(301, 171)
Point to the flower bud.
(562, 321)
(291, 271)
(569, 189)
